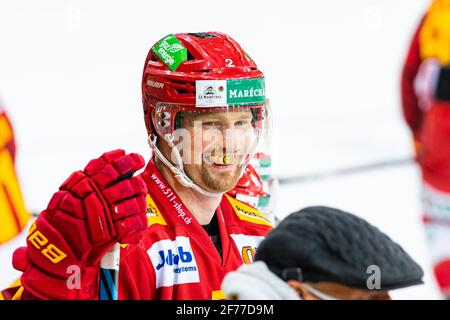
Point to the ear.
(302, 292)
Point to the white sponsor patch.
(211, 93)
(174, 262)
(246, 245)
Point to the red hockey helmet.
(200, 73)
(179, 65)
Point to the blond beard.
(221, 182)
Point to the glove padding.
(92, 210)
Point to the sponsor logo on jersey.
(247, 213)
(253, 201)
(179, 207)
(154, 216)
(247, 246)
(174, 262)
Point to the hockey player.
(426, 108)
(205, 112)
(13, 214)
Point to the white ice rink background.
(70, 76)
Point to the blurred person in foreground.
(425, 88)
(321, 253)
(13, 215)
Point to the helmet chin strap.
(177, 169)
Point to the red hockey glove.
(92, 210)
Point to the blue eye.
(241, 123)
(212, 124)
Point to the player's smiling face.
(220, 142)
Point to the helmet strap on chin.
(177, 168)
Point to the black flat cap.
(335, 246)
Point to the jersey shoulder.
(154, 214)
(247, 214)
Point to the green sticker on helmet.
(246, 91)
(171, 51)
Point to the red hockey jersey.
(176, 259)
(430, 123)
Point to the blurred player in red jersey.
(13, 214)
(426, 107)
(258, 187)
